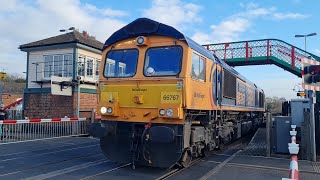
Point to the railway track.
(104, 172)
(237, 145)
(65, 161)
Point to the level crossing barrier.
(33, 129)
(294, 150)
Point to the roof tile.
(70, 37)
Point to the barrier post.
(268, 130)
(294, 150)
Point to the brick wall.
(87, 103)
(46, 105)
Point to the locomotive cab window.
(121, 63)
(163, 61)
(198, 67)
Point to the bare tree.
(274, 104)
(13, 84)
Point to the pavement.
(81, 158)
(247, 163)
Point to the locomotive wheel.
(205, 152)
(186, 160)
(221, 144)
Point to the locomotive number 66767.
(164, 99)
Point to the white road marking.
(26, 141)
(218, 167)
(48, 153)
(104, 172)
(66, 170)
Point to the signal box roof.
(71, 37)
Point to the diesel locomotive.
(164, 99)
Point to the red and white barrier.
(13, 131)
(294, 150)
(40, 120)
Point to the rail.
(259, 52)
(34, 129)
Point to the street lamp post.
(305, 38)
(77, 78)
(64, 30)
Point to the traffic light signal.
(312, 69)
(313, 79)
(311, 74)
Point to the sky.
(214, 21)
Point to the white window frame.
(49, 71)
(199, 61)
(110, 62)
(122, 68)
(91, 78)
(97, 69)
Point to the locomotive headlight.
(140, 40)
(109, 110)
(169, 112)
(103, 110)
(162, 112)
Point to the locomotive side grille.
(229, 86)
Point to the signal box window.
(58, 65)
(198, 67)
(163, 61)
(89, 67)
(98, 69)
(121, 63)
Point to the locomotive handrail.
(263, 51)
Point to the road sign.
(310, 74)
(301, 94)
(61, 86)
(3, 76)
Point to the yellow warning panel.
(3, 75)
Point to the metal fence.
(33, 129)
(14, 114)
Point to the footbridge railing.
(259, 52)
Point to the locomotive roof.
(145, 27)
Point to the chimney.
(85, 34)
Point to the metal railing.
(34, 129)
(264, 49)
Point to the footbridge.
(261, 52)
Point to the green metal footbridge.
(261, 52)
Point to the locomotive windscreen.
(229, 86)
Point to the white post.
(78, 100)
(294, 150)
